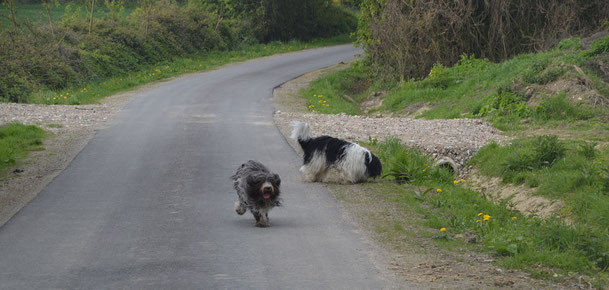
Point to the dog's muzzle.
(267, 190)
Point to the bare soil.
(413, 258)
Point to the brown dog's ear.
(277, 179)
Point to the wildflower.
(67, 94)
(456, 182)
(423, 170)
(443, 229)
(439, 190)
(513, 218)
(479, 214)
(478, 221)
(314, 95)
(462, 180)
(486, 217)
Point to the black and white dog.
(257, 189)
(324, 154)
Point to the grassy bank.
(15, 141)
(547, 248)
(556, 106)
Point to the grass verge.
(547, 248)
(94, 91)
(16, 140)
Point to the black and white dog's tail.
(301, 133)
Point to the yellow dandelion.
(65, 97)
(462, 180)
(479, 214)
(54, 98)
(513, 218)
(443, 229)
(319, 101)
(423, 170)
(456, 182)
(478, 221)
(439, 190)
(314, 95)
(67, 94)
(486, 217)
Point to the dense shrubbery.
(70, 54)
(66, 54)
(406, 38)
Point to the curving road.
(148, 202)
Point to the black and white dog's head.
(325, 154)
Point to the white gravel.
(61, 117)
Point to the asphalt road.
(148, 203)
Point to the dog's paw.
(239, 208)
(263, 224)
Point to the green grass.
(15, 141)
(542, 247)
(573, 171)
(325, 94)
(477, 88)
(95, 91)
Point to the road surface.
(148, 203)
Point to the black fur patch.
(373, 166)
(333, 148)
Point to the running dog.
(258, 190)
